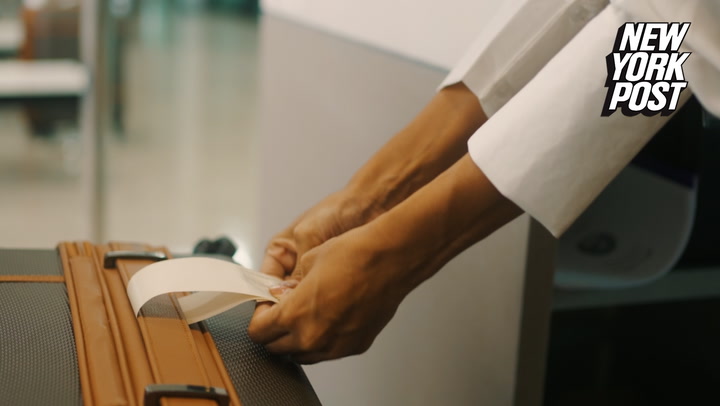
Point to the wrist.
(385, 184)
(457, 209)
(360, 201)
(430, 144)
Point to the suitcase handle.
(153, 393)
(111, 258)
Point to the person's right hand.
(334, 215)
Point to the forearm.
(457, 209)
(431, 143)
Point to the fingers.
(304, 245)
(261, 307)
(305, 240)
(265, 326)
(280, 257)
(290, 345)
(324, 354)
(283, 288)
(312, 358)
(305, 264)
(337, 349)
(286, 344)
(299, 272)
(272, 267)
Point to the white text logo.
(645, 74)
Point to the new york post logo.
(645, 74)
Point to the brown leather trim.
(213, 360)
(130, 337)
(207, 359)
(32, 278)
(117, 336)
(102, 361)
(119, 354)
(172, 350)
(65, 249)
(210, 355)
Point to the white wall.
(431, 31)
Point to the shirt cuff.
(548, 149)
(516, 45)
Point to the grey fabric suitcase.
(39, 358)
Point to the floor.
(183, 166)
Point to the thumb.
(303, 246)
(280, 257)
(284, 287)
(264, 327)
(306, 263)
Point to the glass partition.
(162, 149)
(41, 83)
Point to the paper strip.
(220, 285)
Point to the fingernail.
(279, 290)
(289, 283)
(276, 250)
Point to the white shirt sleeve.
(546, 147)
(516, 44)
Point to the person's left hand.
(340, 307)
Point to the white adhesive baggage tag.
(218, 285)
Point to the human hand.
(354, 283)
(340, 307)
(334, 215)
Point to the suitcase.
(68, 337)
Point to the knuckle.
(302, 230)
(276, 242)
(312, 340)
(305, 344)
(285, 317)
(361, 347)
(341, 352)
(282, 240)
(304, 265)
(273, 247)
(353, 350)
(322, 342)
(269, 248)
(304, 262)
(253, 332)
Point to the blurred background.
(177, 150)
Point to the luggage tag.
(218, 285)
